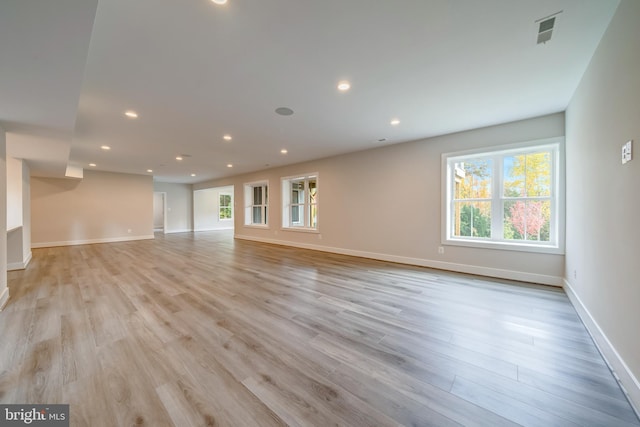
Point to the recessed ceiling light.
(193, 174)
(344, 86)
(284, 151)
(93, 165)
(229, 165)
(219, 1)
(149, 170)
(131, 114)
(284, 111)
(105, 147)
(395, 122)
(178, 158)
(227, 137)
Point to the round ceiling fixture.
(284, 111)
(219, 1)
(344, 86)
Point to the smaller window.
(256, 196)
(226, 206)
(300, 202)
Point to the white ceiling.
(194, 71)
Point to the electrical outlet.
(440, 250)
(627, 152)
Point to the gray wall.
(206, 209)
(603, 197)
(385, 203)
(179, 201)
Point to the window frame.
(249, 205)
(230, 206)
(306, 204)
(557, 197)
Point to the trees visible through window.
(472, 198)
(226, 208)
(300, 202)
(504, 196)
(527, 196)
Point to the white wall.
(206, 209)
(179, 200)
(357, 190)
(19, 208)
(14, 193)
(26, 214)
(603, 196)
(4, 291)
(158, 210)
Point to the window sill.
(506, 246)
(301, 229)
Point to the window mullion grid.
(307, 200)
(497, 202)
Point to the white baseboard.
(4, 297)
(185, 230)
(440, 265)
(19, 265)
(214, 229)
(628, 382)
(91, 241)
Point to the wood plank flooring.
(200, 329)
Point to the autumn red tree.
(528, 218)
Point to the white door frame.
(164, 211)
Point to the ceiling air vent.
(545, 30)
(545, 27)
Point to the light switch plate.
(627, 152)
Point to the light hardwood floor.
(199, 329)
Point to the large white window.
(300, 202)
(507, 197)
(256, 201)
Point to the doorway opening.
(159, 211)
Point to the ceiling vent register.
(545, 27)
(545, 30)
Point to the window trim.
(286, 202)
(558, 197)
(248, 204)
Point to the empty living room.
(293, 213)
